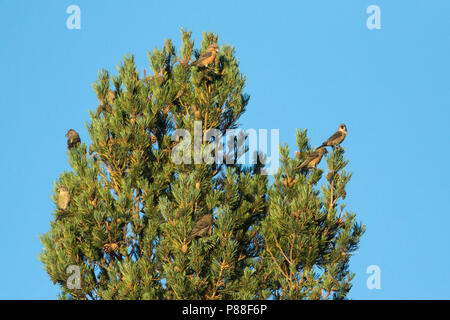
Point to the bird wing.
(310, 158)
(201, 224)
(204, 222)
(314, 162)
(205, 55)
(335, 137)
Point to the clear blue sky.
(309, 64)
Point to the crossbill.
(63, 198)
(337, 138)
(313, 159)
(201, 227)
(72, 138)
(207, 57)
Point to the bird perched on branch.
(207, 57)
(111, 247)
(337, 138)
(313, 159)
(63, 198)
(72, 138)
(201, 227)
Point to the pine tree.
(139, 225)
(307, 235)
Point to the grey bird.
(337, 138)
(63, 198)
(313, 159)
(72, 138)
(201, 227)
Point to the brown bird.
(72, 138)
(207, 57)
(313, 159)
(201, 227)
(337, 138)
(110, 247)
(63, 198)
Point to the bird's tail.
(303, 165)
